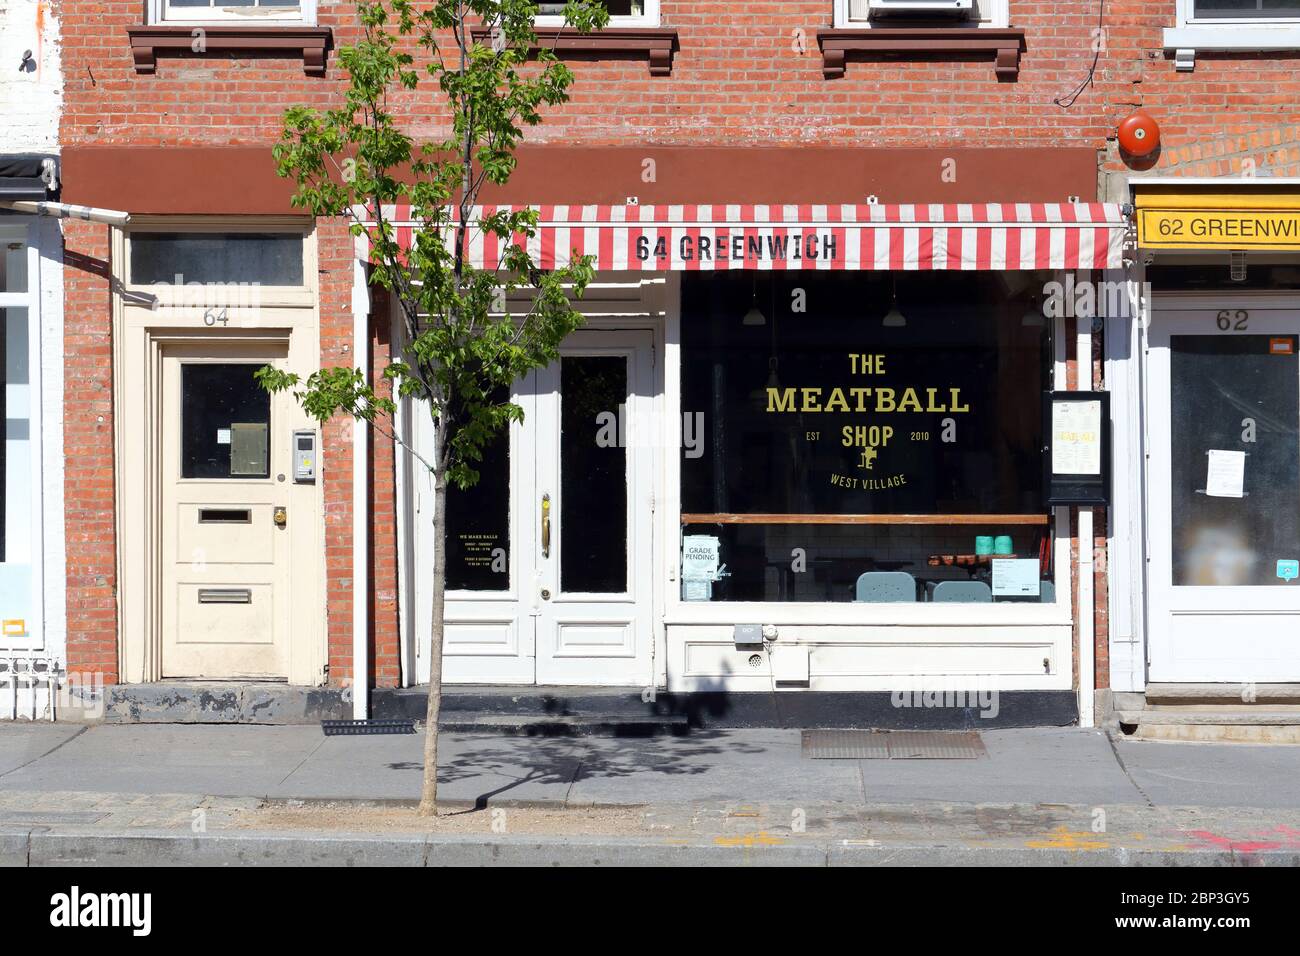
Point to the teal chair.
(882, 587)
(963, 592)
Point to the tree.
(461, 349)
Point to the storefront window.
(1234, 410)
(872, 438)
(17, 465)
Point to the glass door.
(1224, 495)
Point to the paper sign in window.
(1225, 473)
(1076, 438)
(700, 556)
(1015, 577)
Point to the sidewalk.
(244, 794)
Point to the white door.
(549, 554)
(226, 526)
(1224, 495)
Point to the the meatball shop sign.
(878, 422)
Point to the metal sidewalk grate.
(355, 728)
(892, 745)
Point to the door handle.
(280, 516)
(546, 526)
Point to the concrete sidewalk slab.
(1215, 774)
(1035, 766)
(742, 766)
(161, 758)
(1038, 765)
(471, 767)
(22, 742)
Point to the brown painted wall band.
(238, 180)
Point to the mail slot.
(225, 596)
(225, 516)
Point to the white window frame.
(648, 18)
(162, 13)
(1258, 34)
(26, 231)
(267, 297)
(999, 17)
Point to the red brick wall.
(385, 640)
(738, 79)
(88, 448)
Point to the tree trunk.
(429, 793)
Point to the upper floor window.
(869, 13)
(232, 12)
(1244, 11)
(1229, 25)
(622, 13)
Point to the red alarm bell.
(1139, 134)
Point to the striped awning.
(963, 236)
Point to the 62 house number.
(1232, 320)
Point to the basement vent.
(892, 745)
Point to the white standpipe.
(360, 496)
(1087, 593)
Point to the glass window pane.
(617, 8)
(811, 398)
(478, 522)
(593, 475)
(1225, 391)
(13, 268)
(16, 493)
(15, 450)
(225, 422)
(1241, 9)
(271, 259)
(872, 563)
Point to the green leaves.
(469, 333)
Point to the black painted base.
(720, 709)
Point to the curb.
(48, 847)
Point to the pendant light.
(894, 319)
(1033, 317)
(755, 315)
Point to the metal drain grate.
(892, 745)
(356, 728)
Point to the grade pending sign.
(1076, 460)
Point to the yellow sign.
(1219, 229)
(1263, 217)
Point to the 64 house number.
(212, 317)
(1232, 320)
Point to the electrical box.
(748, 633)
(304, 457)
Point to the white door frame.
(615, 301)
(1190, 314)
(140, 333)
(612, 633)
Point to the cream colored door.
(225, 525)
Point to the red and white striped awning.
(964, 236)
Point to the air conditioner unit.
(919, 8)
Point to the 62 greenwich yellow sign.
(1235, 221)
